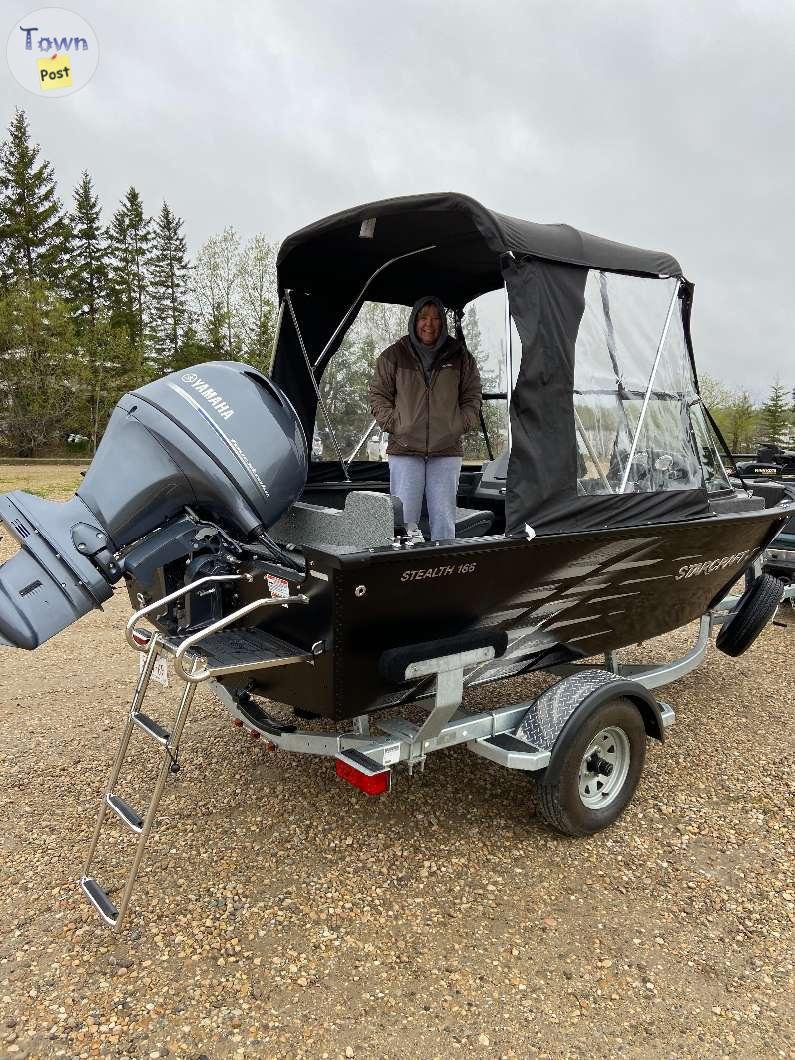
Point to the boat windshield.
(639, 424)
(634, 390)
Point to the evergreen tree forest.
(97, 299)
(95, 302)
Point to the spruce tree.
(38, 369)
(775, 415)
(129, 239)
(493, 411)
(109, 365)
(32, 230)
(741, 416)
(192, 350)
(471, 326)
(168, 282)
(86, 278)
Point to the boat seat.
(366, 521)
(469, 522)
(472, 522)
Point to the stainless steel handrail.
(360, 296)
(175, 596)
(361, 441)
(202, 674)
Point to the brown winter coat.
(426, 419)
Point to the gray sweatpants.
(412, 477)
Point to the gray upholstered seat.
(366, 521)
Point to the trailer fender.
(570, 702)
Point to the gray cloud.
(663, 125)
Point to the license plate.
(159, 670)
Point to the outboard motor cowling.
(219, 439)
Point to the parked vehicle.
(609, 520)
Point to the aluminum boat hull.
(559, 597)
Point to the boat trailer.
(520, 736)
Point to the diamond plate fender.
(570, 702)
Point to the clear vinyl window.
(345, 384)
(715, 476)
(634, 388)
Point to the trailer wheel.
(590, 782)
(756, 607)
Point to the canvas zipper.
(427, 419)
(428, 384)
(428, 387)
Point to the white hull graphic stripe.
(232, 445)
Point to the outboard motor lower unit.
(193, 467)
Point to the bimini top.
(468, 242)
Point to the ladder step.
(152, 728)
(240, 650)
(103, 905)
(123, 809)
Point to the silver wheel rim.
(604, 768)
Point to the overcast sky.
(666, 125)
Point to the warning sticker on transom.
(392, 754)
(279, 587)
(159, 670)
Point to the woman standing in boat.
(426, 394)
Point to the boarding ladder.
(211, 652)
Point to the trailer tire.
(567, 799)
(755, 609)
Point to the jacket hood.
(418, 346)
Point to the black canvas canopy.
(453, 246)
(335, 256)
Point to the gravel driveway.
(282, 913)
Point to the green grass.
(53, 481)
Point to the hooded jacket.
(426, 416)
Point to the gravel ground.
(281, 913)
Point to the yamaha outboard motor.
(191, 472)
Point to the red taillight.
(238, 724)
(141, 636)
(369, 783)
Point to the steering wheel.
(655, 469)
